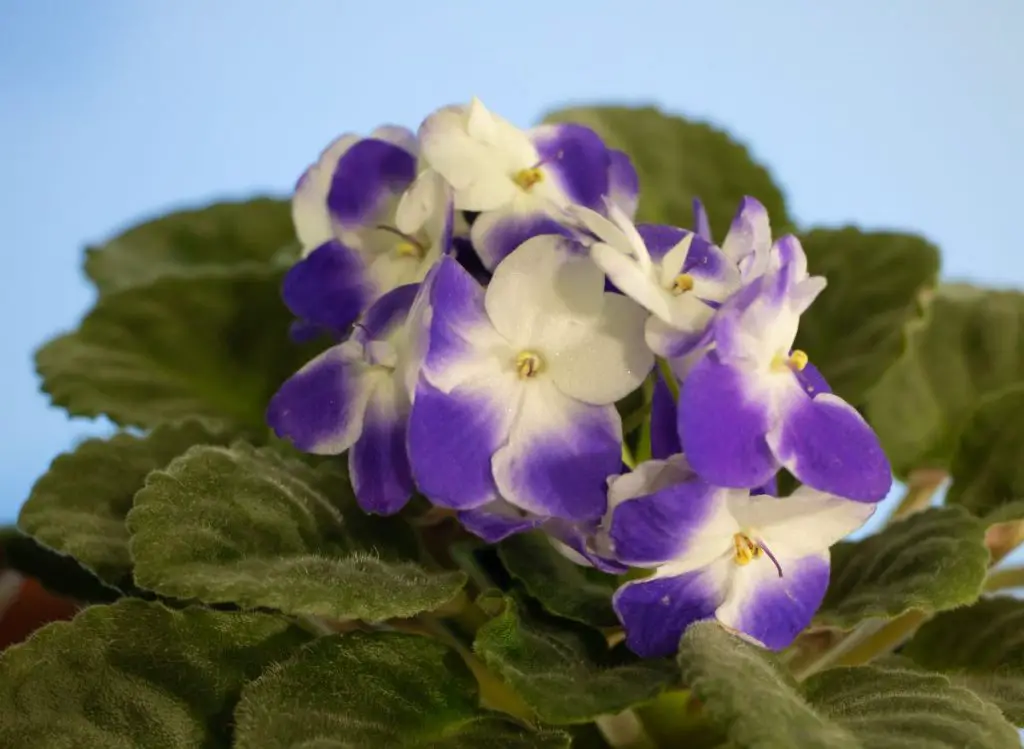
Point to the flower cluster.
(494, 301)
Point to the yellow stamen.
(409, 249)
(527, 178)
(747, 549)
(528, 364)
(682, 283)
(794, 362)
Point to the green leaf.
(370, 691)
(987, 470)
(970, 345)
(136, 675)
(981, 647)
(747, 693)
(58, 573)
(564, 588)
(257, 231)
(566, 673)
(79, 505)
(679, 159)
(855, 331)
(214, 347)
(931, 561)
(248, 526)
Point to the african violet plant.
(520, 462)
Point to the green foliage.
(581, 594)
(854, 331)
(254, 232)
(931, 561)
(370, 691)
(678, 160)
(134, 675)
(747, 693)
(79, 505)
(971, 345)
(979, 646)
(566, 674)
(249, 526)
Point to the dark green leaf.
(136, 675)
(564, 588)
(855, 331)
(211, 238)
(970, 345)
(679, 159)
(987, 471)
(248, 526)
(931, 561)
(981, 646)
(375, 691)
(566, 673)
(214, 347)
(58, 573)
(79, 505)
(748, 694)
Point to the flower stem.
(1010, 577)
(921, 487)
(670, 378)
(627, 456)
(866, 642)
(624, 731)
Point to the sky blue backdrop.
(888, 113)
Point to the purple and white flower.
(521, 181)
(353, 397)
(752, 404)
(759, 565)
(514, 417)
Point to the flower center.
(794, 362)
(407, 246)
(528, 364)
(681, 284)
(747, 550)
(527, 178)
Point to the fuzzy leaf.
(747, 693)
(564, 588)
(854, 331)
(248, 526)
(931, 561)
(677, 160)
(136, 675)
(376, 691)
(257, 231)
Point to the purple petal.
(774, 610)
(320, 408)
(576, 537)
(769, 488)
(826, 444)
(495, 234)
(369, 174)
(457, 304)
(497, 521)
(701, 223)
(656, 612)
(468, 258)
(623, 182)
(388, 312)
(661, 526)
(301, 331)
(723, 424)
(660, 238)
(377, 463)
(329, 287)
(664, 432)
(811, 380)
(577, 158)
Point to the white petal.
(807, 522)
(632, 279)
(647, 478)
(309, 204)
(750, 232)
(601, 227)
(420, 201)
(713, 547)
(672, 263)
(611, 362)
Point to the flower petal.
(497, 521)
(655, 612)
(576, 158)
(750, 231)
(701, 223)
(370, 174)
(623, 182)
(424, 198)
(671, 343)
(664, 432)
(632, 279)
(495, 234)
(330, 287)
(573, 541)
(378, 463)
(559, 455)
(388, 312)
(773, 610)
(826, 444)
(309, 203)
(320, 408)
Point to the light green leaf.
(375, 691)
(678, 160)
(564, 588)
(207, 239)
(970, 345)
(747, 693)
(248, 526)
(931, 561)
(79, 505)
(213, 347)
(566, 673)
(987, 471)
(980, 646)
(136, 675)
(855, 331)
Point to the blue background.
(898, 114)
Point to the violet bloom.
(759, 565)
(752, 404)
